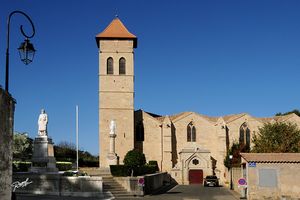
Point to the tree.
(134, 159)
(297, 112)
(22, 147)
(235, 151)
(279, 137)
(66, 151)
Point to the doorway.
(196, 176)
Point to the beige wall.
(288, 177)
(116, 98)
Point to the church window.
(122, 66)
(139, 135)
(110, 65)
(195, 162)
(191, 133)
(245, 136)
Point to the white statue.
(112, 127)
(42, 122)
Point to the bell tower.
(116, 89)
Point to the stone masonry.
(7, 107)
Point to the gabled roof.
(230, 118)
(272, 157)
(116, 30)
(284, 117)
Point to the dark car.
(211, 181)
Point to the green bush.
(74, 173)
(21, 166)
(64, 166)
(154, 162)
(134, 159)
(120, 170)
(146, 169)
(88, 163)
(123, 170)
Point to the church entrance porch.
(195, 163)
(196, 176)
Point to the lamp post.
(26, 49)
(231, 183)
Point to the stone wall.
(7, 107)
(287, 182)
(56, 184)
(153, 182)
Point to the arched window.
(191, 133)
(245, 136)
(110, 66)
(122, 66)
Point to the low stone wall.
(7, 107)
(152, 183)
(56, 184)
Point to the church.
(187, 145)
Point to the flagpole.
(77, 136)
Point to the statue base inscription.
(43, 159)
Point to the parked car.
(211, 181)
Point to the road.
(192, 192)
(179, 192)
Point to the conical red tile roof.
(116, 30)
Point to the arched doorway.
(196, 176)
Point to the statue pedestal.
(43, 159)
(112, 159)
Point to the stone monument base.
(112, 159)
(43, 159)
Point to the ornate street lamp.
(26, 49)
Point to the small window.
(110, 66)
(122, 66)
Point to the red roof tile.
(116, 30)
(271, 157)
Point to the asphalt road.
(192, 192)
(179, 192)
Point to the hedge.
(154, 162)
(88, 163)
(64, 166)
(122, 170)
(21, 166)
(119, 170)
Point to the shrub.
(134, 159)
(154, 162)
(88, 163)
(64, 166)
(21, 166)
(74, 173)
(146, 169)
(120, 170)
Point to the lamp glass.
(26, 52)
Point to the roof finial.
(116, 15)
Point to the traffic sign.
(252, 164)
(242, 182)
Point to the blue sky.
(211, 57)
